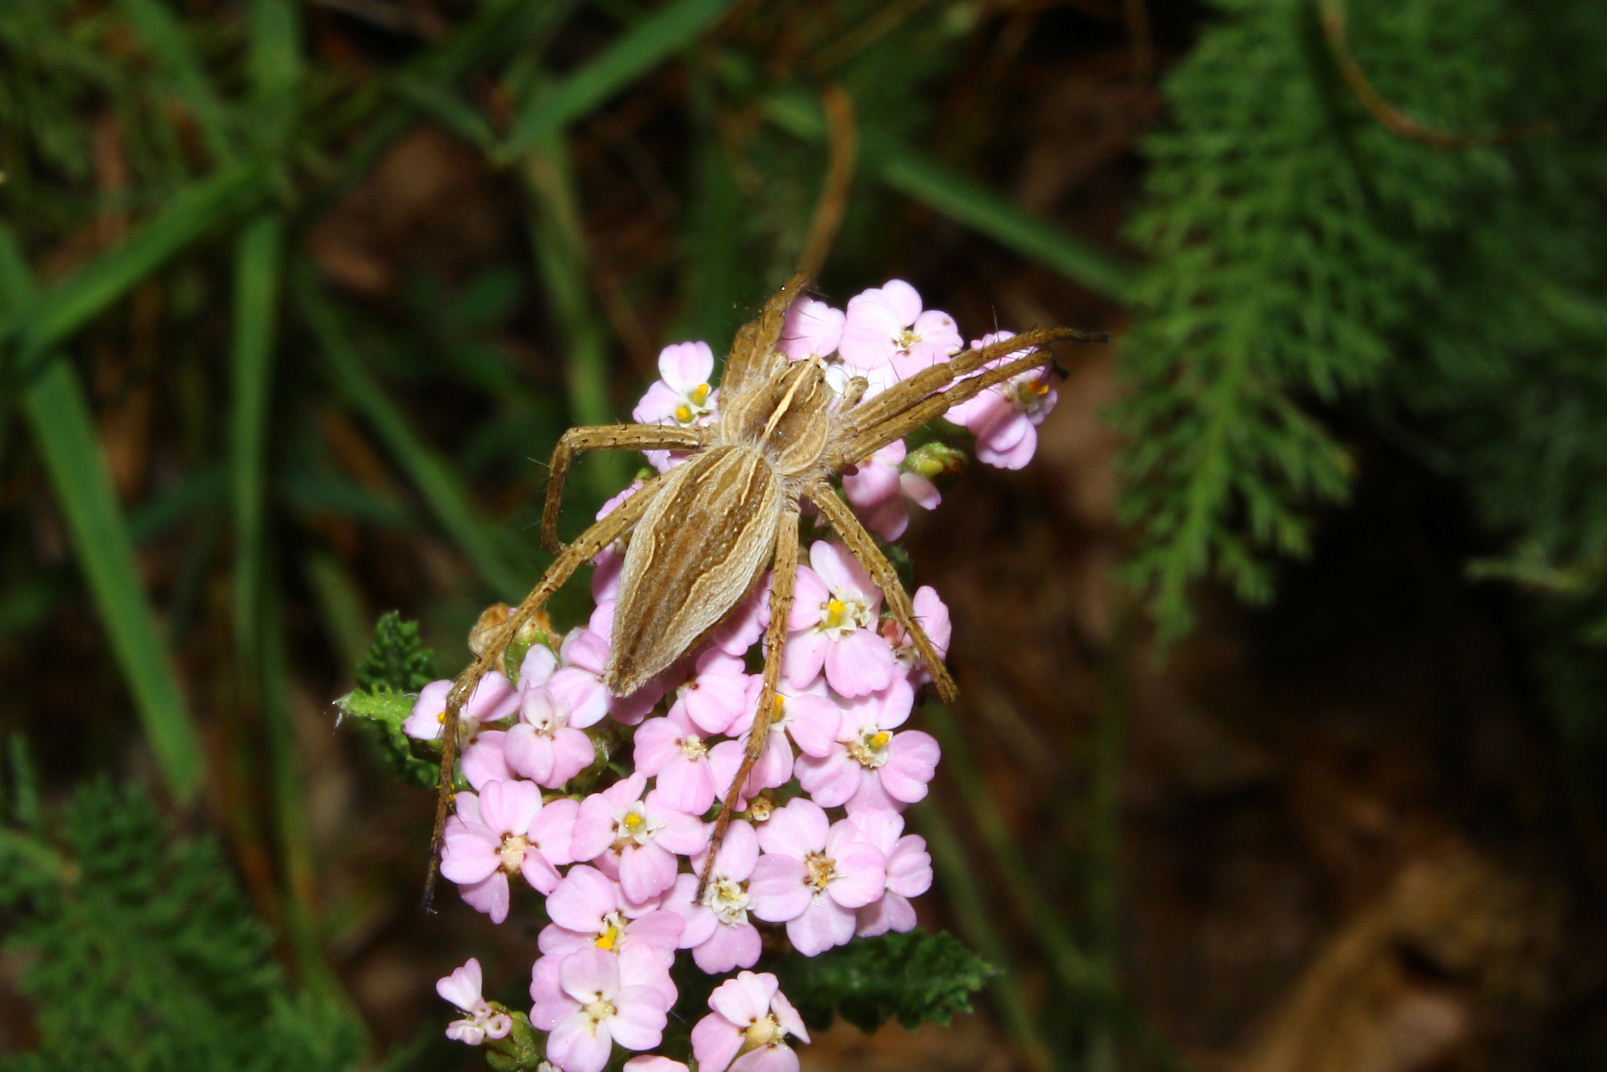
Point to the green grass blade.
(59, 311)
(259, 254)
(59, 415)
(717, 273)
(274, 60)
(559, 248)
(169, 43)
(435, 480)
(652, 40)
(966, 202)
(975, 915)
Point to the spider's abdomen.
(709, 533)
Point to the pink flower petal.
(860, 663)
(795, 829)
(638, 1023)
(589, 973)
(822, 926)
(575, 1047)
(582, 899)
(715, 1041)
(746, 998)
(777, 888)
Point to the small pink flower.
(480, 1021)
(887, 337)
(749, 1022)
(493, 699)
(536, 668)
(601, 1000)
(872, 766)
(578, 683)
(636, 838)
(833, 626)
(590, 910)
(718, 931)
(484, 760)
(494, 835)
(814, 875)
(933, 614)
(681, 396)
(1005, 417)
(717, 693)
(674, 751)
(542, 745)
(811, 329)
(805, 718)
(909, 873)
(880, 492)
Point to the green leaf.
(650, 41)
(915, 978)
(437, 482)
(916, 175)
(397, 658)
(64, 427)
(189, 215)
(389, 677)
(141, 953)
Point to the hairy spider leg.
(865, 438)
(603, 437)
(906, 394)
(752, 358)
(586, 547)
(784, 575)
(863, 547)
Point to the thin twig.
(1335, 30)
(842, 147)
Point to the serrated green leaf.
(914, 978)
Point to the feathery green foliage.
(1306, 255)
(143, 954)
(915, 978)
(389, 677)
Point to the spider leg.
(753, 352)
(852, 393)
(864, 548)
(783, 577)
(909, 393)
(603, 437)
(861, 439)
(585, 548)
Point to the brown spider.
(703, 534)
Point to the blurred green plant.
(140, 952)
(1425, 244)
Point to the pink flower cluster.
(818, 853)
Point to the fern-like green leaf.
(389, 677)
(142, 953)
(914, 978)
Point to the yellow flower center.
(822, 869)
(763, 1031)
(607, 940)
(871, 748)
(512, 853)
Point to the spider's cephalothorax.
(702, 534)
